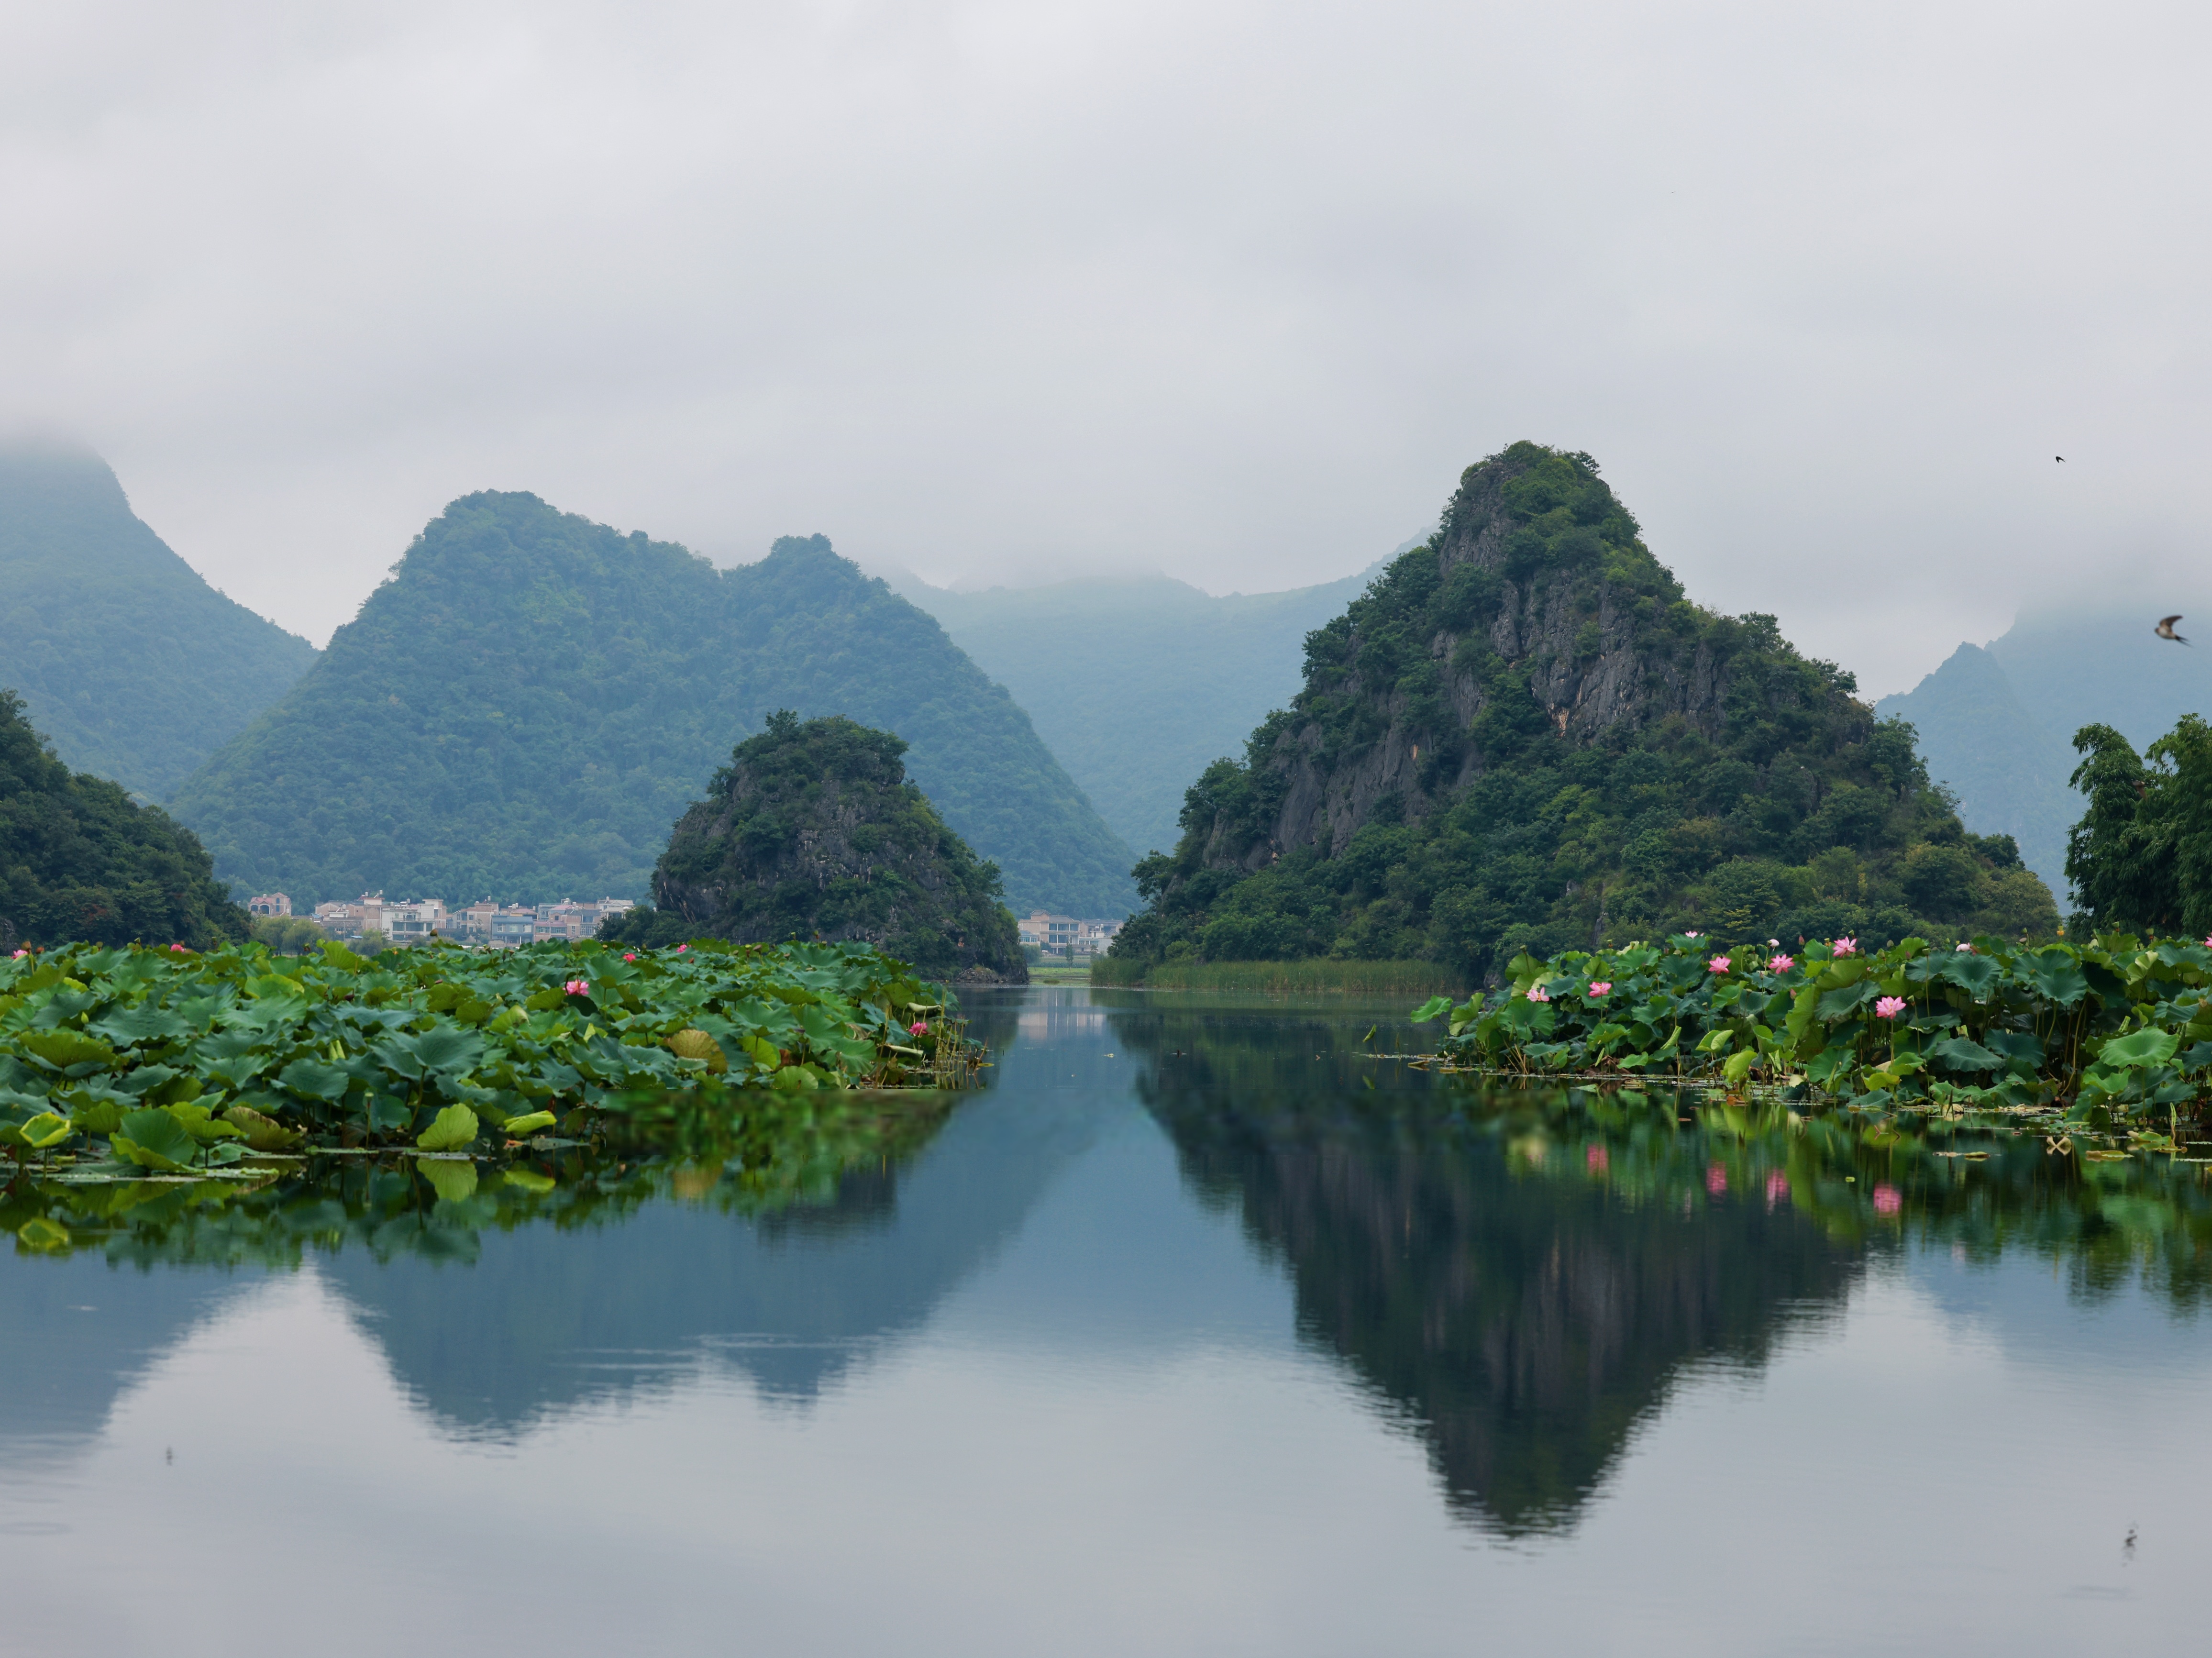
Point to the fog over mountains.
(1997, 721)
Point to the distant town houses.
(413, 920)
(269, 903)
(1058, 935)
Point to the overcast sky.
(1008, 291)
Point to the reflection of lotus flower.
(1888, 1200)
(1889, 1007)
(578, 988)
(1719, 963)
(1715, 1179)
(1601, 987)
(1781, 964)
(1847, 946)
(1778, 1187)
(1595, 1159)
(1538, 994)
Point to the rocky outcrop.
(813, 832)
(1593, 658)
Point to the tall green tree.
(2141, 855)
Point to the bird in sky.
(2061, 459)
(2165, 629)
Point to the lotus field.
(181, 1062)
(2103, 1031)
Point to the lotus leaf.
(64, 1048)
(2139, 1048)
(449, 1131)
(154, 1139)
(262, 1133)
(529, 1123)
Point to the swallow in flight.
(2164, 630)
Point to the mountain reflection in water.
(1519, 1278)
(1524, 1273)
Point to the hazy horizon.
(1217, 290)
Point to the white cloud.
(1228, 289)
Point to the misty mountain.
(1137, 685)
(130, 663)
(1996, 723)
(531, 701)
(1524, 735)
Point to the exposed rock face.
(1591, 662)
(813, 831)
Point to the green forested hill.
(531, 701)
(812, 831)
(78, 860)
(134, 667)
(1135, 684)
(1523, 735)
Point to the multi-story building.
(1060, 935)
(269, 903)
(484, 922)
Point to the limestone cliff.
(1523, 735)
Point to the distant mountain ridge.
(129, 662)
(1138, 683)
(531, 701)
(1997, 722)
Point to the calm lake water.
(1197, 1331)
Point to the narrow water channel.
(1200, 1329)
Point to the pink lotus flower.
(176, 947)
(680, 949)
(1969, 948)
(1694, 935)
(21, 954)
(1595, 1160)
(1781, 964)
(1601, 988)
(630, 955)
(919, 1028)
(1778, 1187)
(1715, 1179)
(1889, 1007)
(578, 986)
(1538, 994)
(1719, 964)
(1847, 947)
(1887, 1200)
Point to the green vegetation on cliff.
(812, 831)
(132, 666)
(531, 701)
(78, 860)
(1524, 737)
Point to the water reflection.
(1521, 1279)
(1525, 1273)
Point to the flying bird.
(2061, 459)
(2165, 629)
